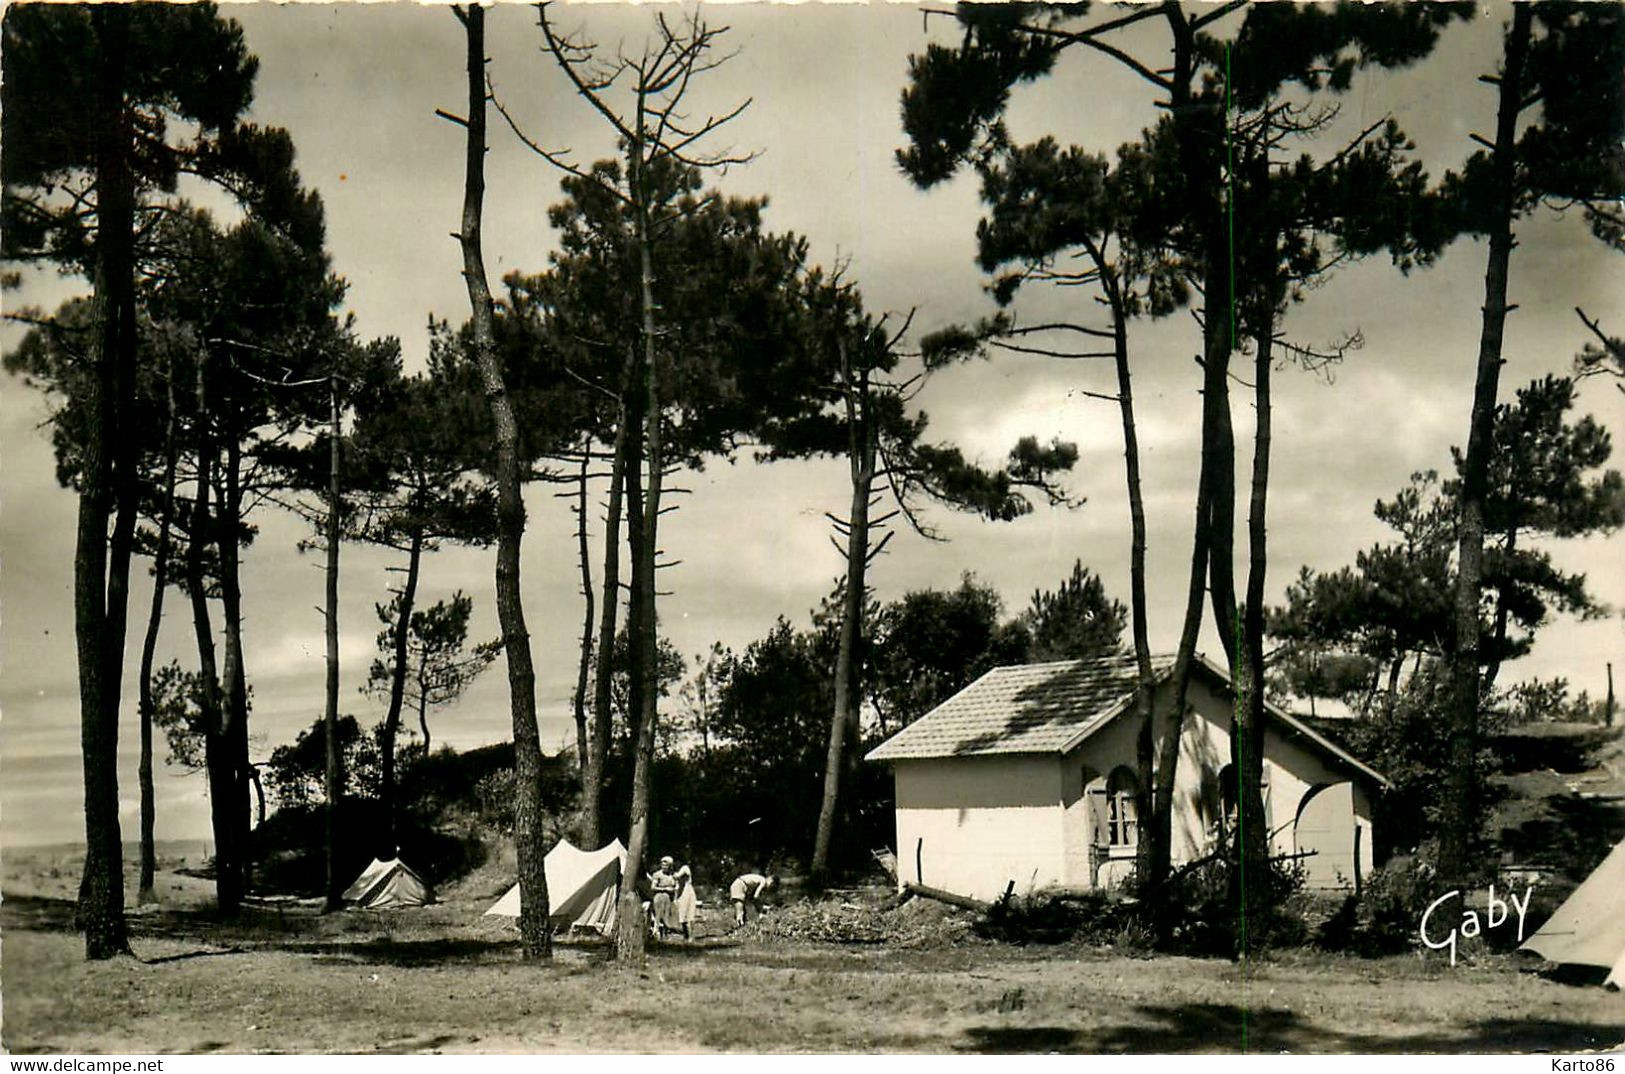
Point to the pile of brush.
(914, 923)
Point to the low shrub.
(1197, 912)
(1047, 918)
(1095, 918)
(1383, 918)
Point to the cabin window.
(1122, 814)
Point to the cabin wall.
(971, 825)
(1346, 853)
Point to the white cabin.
(1028, 776)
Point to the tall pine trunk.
(235, 730)
(101, 565)
(1222, 530)
(397, 684)
(228, 896)
(861, 449)
(603, 695)
(332, 777)
(149, 647)
(645, 638)
(629, 934)
(578, 700)
(1198, 128)
(1461, 806)
(535, 940)
(1247, 741)
(1145, 686)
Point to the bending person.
(748, 889)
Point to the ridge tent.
(1589, 929)
(388, 885)
(582, 886)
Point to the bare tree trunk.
(528, 818)
(397, 684)
(629, 917)
(584, 663)
(235, 673)
(861, 449)
(1221, 538)
(423, 700)
(1145, 686)
(1461, 806)
(1199, 136)
(108, 487)
(228, 896)
(149, 647)
(592, 790)
(330, 718)
(1168, 747)
(1247, 741)
(629, 940)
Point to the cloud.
(357, 86)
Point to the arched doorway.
(1326, 830)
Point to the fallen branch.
(961, 901)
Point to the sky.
(357, 87)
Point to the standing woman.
(686, 902)
(663, 885)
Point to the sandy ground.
(442, 979)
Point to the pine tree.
(1560, 119)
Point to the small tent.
(388, 885)
(582, 886)
(1588, 929)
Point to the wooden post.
(919, 850)
(1357, 877)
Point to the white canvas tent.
(388, 885)
(582, 886)
(1589, 928)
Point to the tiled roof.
(1051, 708)
(1028, 708)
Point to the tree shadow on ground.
(407, 954)
(1014, 1040)
(187, 956)
(288, 928)
(1567, 973)
(38, 913)
(1222, 1028)
(35, 913)
(695, 948)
